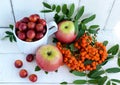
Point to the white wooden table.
(108, 17)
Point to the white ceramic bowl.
(31, 47)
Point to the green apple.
(66, 32)
(49, 58)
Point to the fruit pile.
(23, 73)
(86, 57)
(31, 28)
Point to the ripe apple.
(66, 32)
(49, 58)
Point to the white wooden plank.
(49, 16)
(6, 16)
(99, 7)
(24, 8)
(114, 18)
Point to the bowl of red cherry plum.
(32, 32)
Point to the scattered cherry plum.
(23, 73)
(39, 27)
(29, 57)
(22, 26)
(21, 35)
(18, 63)
(25, 20)
(31, 25)
(33, 77)
(30, 34)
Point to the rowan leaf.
(64, 9)
(102, 80)
(93, 81)
(58, 9)
(77, 73)
(115, 80)
(118, 60)
(63, 83)
(80, 82)
(108, 82)
(46, 5)
(46, 11)
(105, 43)
(113, 70)
(79, 13)
(86, 20)
(71, 11)
(113, 50)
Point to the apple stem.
(49, 53)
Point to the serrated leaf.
(113, 70)
(79, 13)
(71, 11)
(46, 5)
(93, 26)
(77, 73)
(118, 60)
(9, 33)
(114, 83)
(37, 68)
(46, 11)
(58, 9)
(86, 20)
(53, 7)
(76, 27)
(11, 27)
(115, 80)
(64, 9)
(63, 83)
(80, 82)
(14, 38)
(93, 31)
(97, 73)
(108, 82)
(93, 81)
(105, 43)
(60, 18)
(102, 80)
(56, 17)
(114, 49)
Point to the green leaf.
(53, 7)
(93, 31)
(46, 5)
(93, 81)
(87, 62)
(80, 82)
(63, 83)
(105, 43)
(56, 17)
(46, 11)
(64, 9)
(79, 13)
(118, 60)
(11, 26)
(60, 18)
(46, 72)
(108, 82)
(71, 11)
(97, 73)
(55, 40)
(76, 27)
(11, 39)
(93, 26)
(114, 49)
(115, 80)
(114, 83)
(5, 37)
(77, 73)
(14, 38)
(86, 20)
(37, 68)
(102, 80)
(9, 33)
(72, 47)
(113, 70)
(58, 9)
